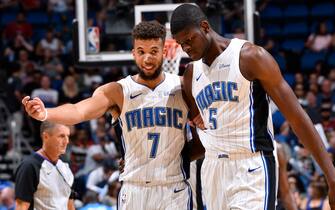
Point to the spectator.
(11, 52)
(7, 198)
(293, 184)
(328, 122)
(300, 93)
(299, 78)
(59, 6)
(27, 65)
(99, 177)
(91, 202)
(326, 93)
(239, 32)
(320, 40)
(78, 149)
(48, 95)
(321, 71)
(70, 91)
(19, 27)
(14, 96)
(314, 79)
(51, 65)
(316, 197)
(113, 188)
(33, 82)
(295, 187)
(97, 153)
(314, 88)
(92, 76)
(98, 128)
(23, 59)
(303, 164)
(286, 198)
(14, 79)
(311, 108)
(49, 42)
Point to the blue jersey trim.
(251, 112)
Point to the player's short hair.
(47, 126)
(186, 15)
(149, 30)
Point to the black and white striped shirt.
(43, 184)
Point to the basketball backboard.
(83, 34)
(111, 45)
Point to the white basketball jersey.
(235, 111)
(153, 123)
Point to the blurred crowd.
(36, 59)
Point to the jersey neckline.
(159, 84)
(216, 60)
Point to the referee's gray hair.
(47, 126)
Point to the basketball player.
(152, 115)
(231, 81)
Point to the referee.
(43, 180)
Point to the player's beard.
(152, 76)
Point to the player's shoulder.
(109, 89)
(253, 61)
(251, 52)
(110, 86)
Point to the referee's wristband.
(46, 115)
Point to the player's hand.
(198, 122)
(331, 197)
(34, 107)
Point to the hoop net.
(173, 56)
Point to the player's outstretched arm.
(257, 64)
(103, 98)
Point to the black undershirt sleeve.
(26, 181)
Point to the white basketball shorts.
(239, 181)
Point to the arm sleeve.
(26, 181)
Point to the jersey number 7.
(155, 140)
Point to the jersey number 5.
(212, 118)
(155, 140)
